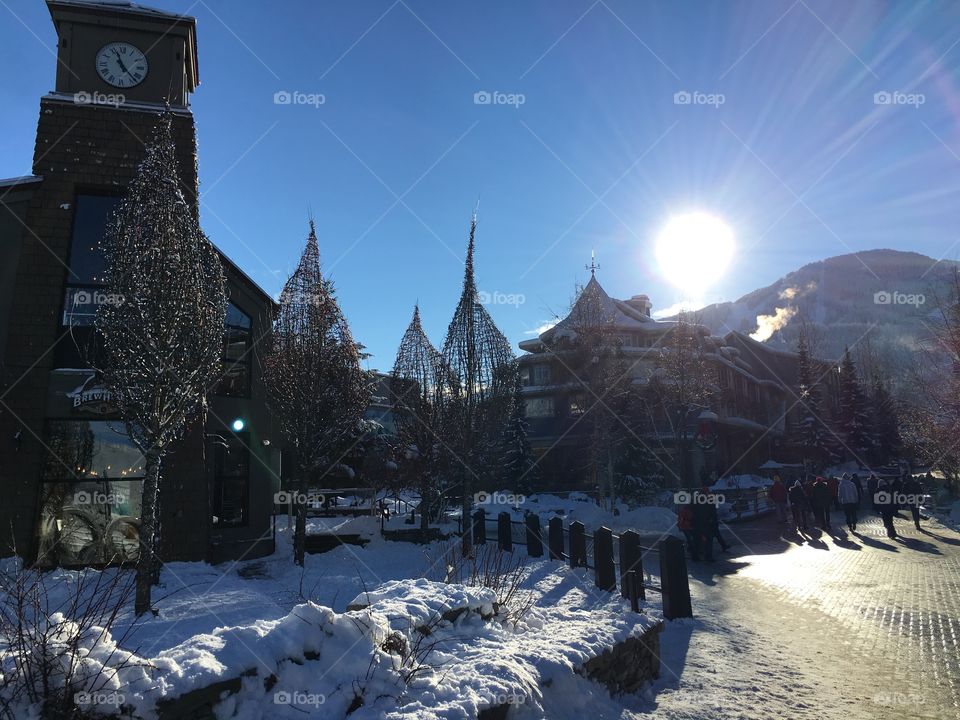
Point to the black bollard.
(534, 540)
(631, 558)
(480, 526)
(504, 539)
(604, 570)
(555, 531)
(578, 545)
(674, 580)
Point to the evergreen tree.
(853, 421)
(884, 422)
(518, 465)
(810, 433)
(163, 336)
(315, 385)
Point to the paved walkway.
(831, 626)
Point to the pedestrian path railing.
(612, 557)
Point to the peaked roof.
(616, 312)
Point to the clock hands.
(122, 66)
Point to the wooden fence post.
(631, 559)
(578, 544)
(480, 526)
(604, 570)
(674, 580)
(556, 538)
(504, 535)
(534, 540)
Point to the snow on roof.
(120, 6)
(616, 312)
(22, 180)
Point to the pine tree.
(810, 432)
(315, 386)
(163, 336)
(481, 367)
(853, 422)
(518, 465)
(884, 422)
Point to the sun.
(694, 251)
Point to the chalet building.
(70, 476)
(746, 425)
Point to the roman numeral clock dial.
(121, 64)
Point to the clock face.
(121, 64)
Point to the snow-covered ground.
(576, 506)
(269, 619)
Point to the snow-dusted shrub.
(58, 654)
(487, 566)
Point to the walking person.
(821, 503)
(685, 523)
(885, 502)
(873, 486)
(703, 525)
(849, 500)
(859, 484)
(913, 497)
(808, 508)
(798, 503)
(833, 483)
(778, 493)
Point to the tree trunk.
(148, 531)
(424, 501)
(300, 532)
(466, 509)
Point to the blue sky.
(800, 159)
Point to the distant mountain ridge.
(887, 296)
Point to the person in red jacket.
(778, 493)
(685, 523)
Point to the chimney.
(641, 303)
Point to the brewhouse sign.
(92, 398)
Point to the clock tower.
(119, 65)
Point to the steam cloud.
(767, 325)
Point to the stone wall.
(626, 667)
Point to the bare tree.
(420, 384)
(684, 383)
(315, 385)
(481, 367)
(590, 353)
(163, 331)
(931, 421)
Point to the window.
(541, 374)
(83, 286)
(231, 480)
(236, 354)
(539, 407)
(90, 494)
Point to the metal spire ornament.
(481, 365)
(419, 385)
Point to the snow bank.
(645, 520)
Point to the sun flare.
(694, 250)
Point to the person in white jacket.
(847, 494)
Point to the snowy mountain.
(886, 295)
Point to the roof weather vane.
(593, 267)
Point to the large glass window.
(231, 480)
(90, 494)
(83, 289)
(236, 354)
(540, 407)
